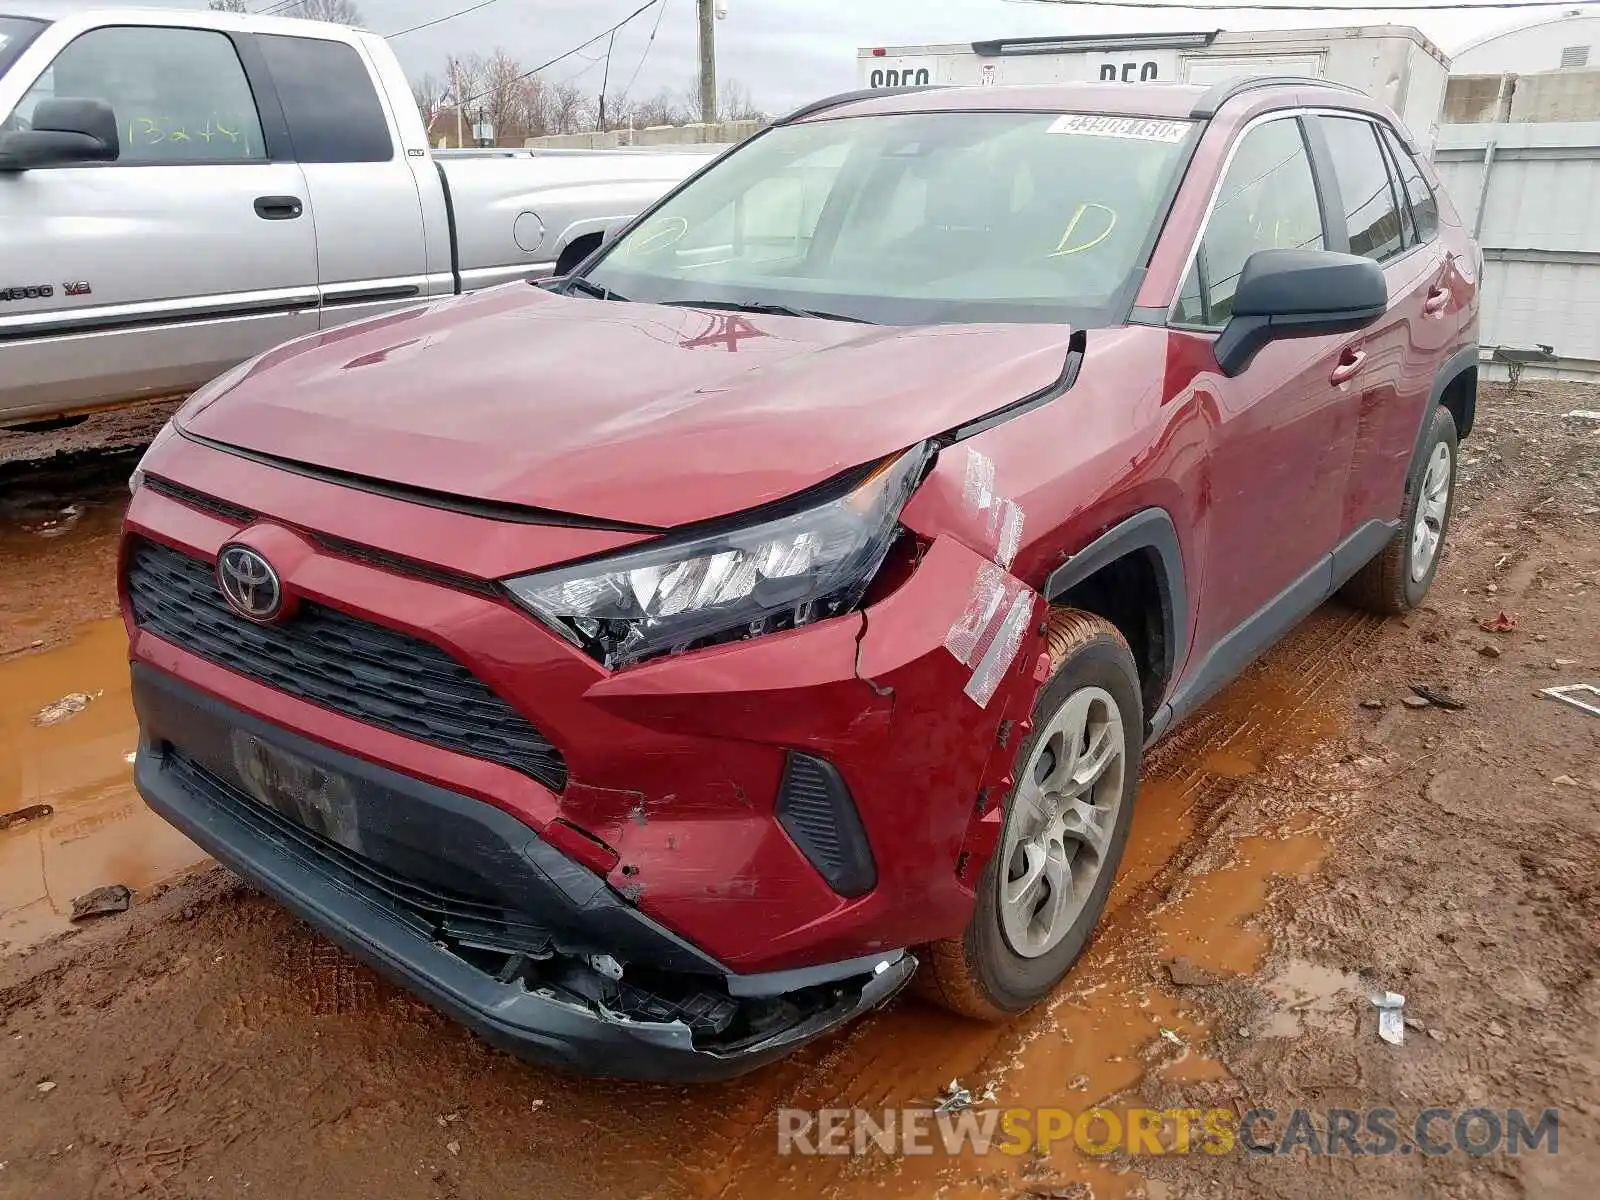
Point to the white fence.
(1531, 193)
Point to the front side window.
(328, 99)
(180, 95)
(1365, 187)
(913, 218)
(1267, 201)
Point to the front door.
(1282, 430)
(191, 252)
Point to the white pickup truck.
(181, 190)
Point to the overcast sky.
(789, 51)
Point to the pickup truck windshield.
(15, 34)
(917, 218)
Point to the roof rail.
(1220, 93)
(816, 106)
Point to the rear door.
(151, 274)
(1401, 351)
(371, 244)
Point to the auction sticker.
(1139, 128)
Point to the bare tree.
(569, 109)
(735, 103)
(336, 12)
(233, 6)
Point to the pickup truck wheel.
(1066, 822)
(1399, 577)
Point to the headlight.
(783, 572)
(136, 480)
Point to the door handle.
(278, 208)
(1436, 302)
(1349, 363)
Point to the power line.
(460, 12)
(628, 89)
(568, 54)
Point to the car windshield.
(15, 34)
(912, 219)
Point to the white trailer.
(1391, 63)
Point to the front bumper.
(437, 891)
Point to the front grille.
(360, 670)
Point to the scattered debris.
(1582, 696)
(1391, 1022)
(1078, 1083)
(1565, 781)
(1415, 702)
(1076, 1190)
(69, 705)
(1436, 1034)
(1489, 651)
(1373, 704)
(1504, 622)
(954, 1098)
(101, 902)
(47, 1086)
(1583, 414)
(453, 1147)
(34, 812)
(1171, 1035)
(1496, 1030)
(536, 1105)
(1563, 663)
(1184, 973)
(1492, 589)
(1438, 697)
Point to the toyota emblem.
(249, 584)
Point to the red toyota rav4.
(655, 667)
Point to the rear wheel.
(1399, 577)
(1065, 826)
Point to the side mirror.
(1299, 293)
(64, 132)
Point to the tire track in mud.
(902, 1057)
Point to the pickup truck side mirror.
(64, 132)
(1299, 293)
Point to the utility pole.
(708, 60)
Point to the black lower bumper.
(393, 869)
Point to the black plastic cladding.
(816, 809)
(364, 671)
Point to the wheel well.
(1460, 396)
(1128, 592)
(578, 249)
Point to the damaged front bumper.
(466, 906)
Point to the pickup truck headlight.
(786, 571)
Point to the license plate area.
(321, 800)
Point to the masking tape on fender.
(989, 631)
(1001, 517)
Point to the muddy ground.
(1305, 841)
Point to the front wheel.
(1399, 577)
(1066, 823)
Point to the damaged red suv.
(655, 667)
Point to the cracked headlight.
(789, 570)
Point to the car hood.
(621, 412)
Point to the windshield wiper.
(782, 310)
(577, 283)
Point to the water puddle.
(99, 831)
(1117, 1021)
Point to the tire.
(1394, 582)
(982, 973)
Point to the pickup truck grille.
(353, 667)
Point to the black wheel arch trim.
(1463, 360)
(1152, 532)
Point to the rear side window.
(1365, 187)
(1267, 201)
(1424, 208)
(328, 99)
(179, 95)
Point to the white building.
(1570, 41)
